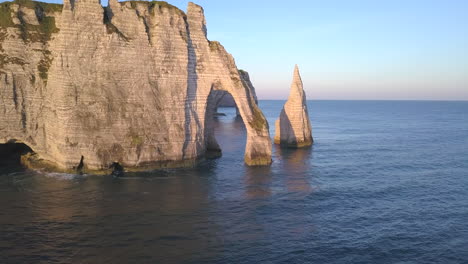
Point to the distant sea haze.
(385, 182)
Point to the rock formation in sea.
(293, 128)
(134, 82)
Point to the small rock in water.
(117, 170)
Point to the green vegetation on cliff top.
(31, 33)
(153, 4)
(28, 32)
(241, 71)
(5, 15)
(6, 11)
(215, 46)
(46, 7)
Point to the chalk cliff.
(293, 128)
(134, 83)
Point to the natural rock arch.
(254, 129)
(258, 145)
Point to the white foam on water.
(62, 176)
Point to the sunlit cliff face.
(88, 87)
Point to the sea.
(385, 182)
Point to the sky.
(346, 49)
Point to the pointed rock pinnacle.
(293, 127)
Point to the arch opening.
(225, 129)
(226, 101)
(213, 150)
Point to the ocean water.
(385, 182)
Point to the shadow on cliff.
(192, 88)
(286, 129)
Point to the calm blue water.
(385, 182)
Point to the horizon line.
(388, 100)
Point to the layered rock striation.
(293, 128)
(134, 83)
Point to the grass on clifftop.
(5, 15)
(31, 33)
(241, 71)
(6, 10)
(215, 46)
(153, 4)
(46, 7)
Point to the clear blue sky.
(347, 49)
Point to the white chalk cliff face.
(293, 128)
(131, 83)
